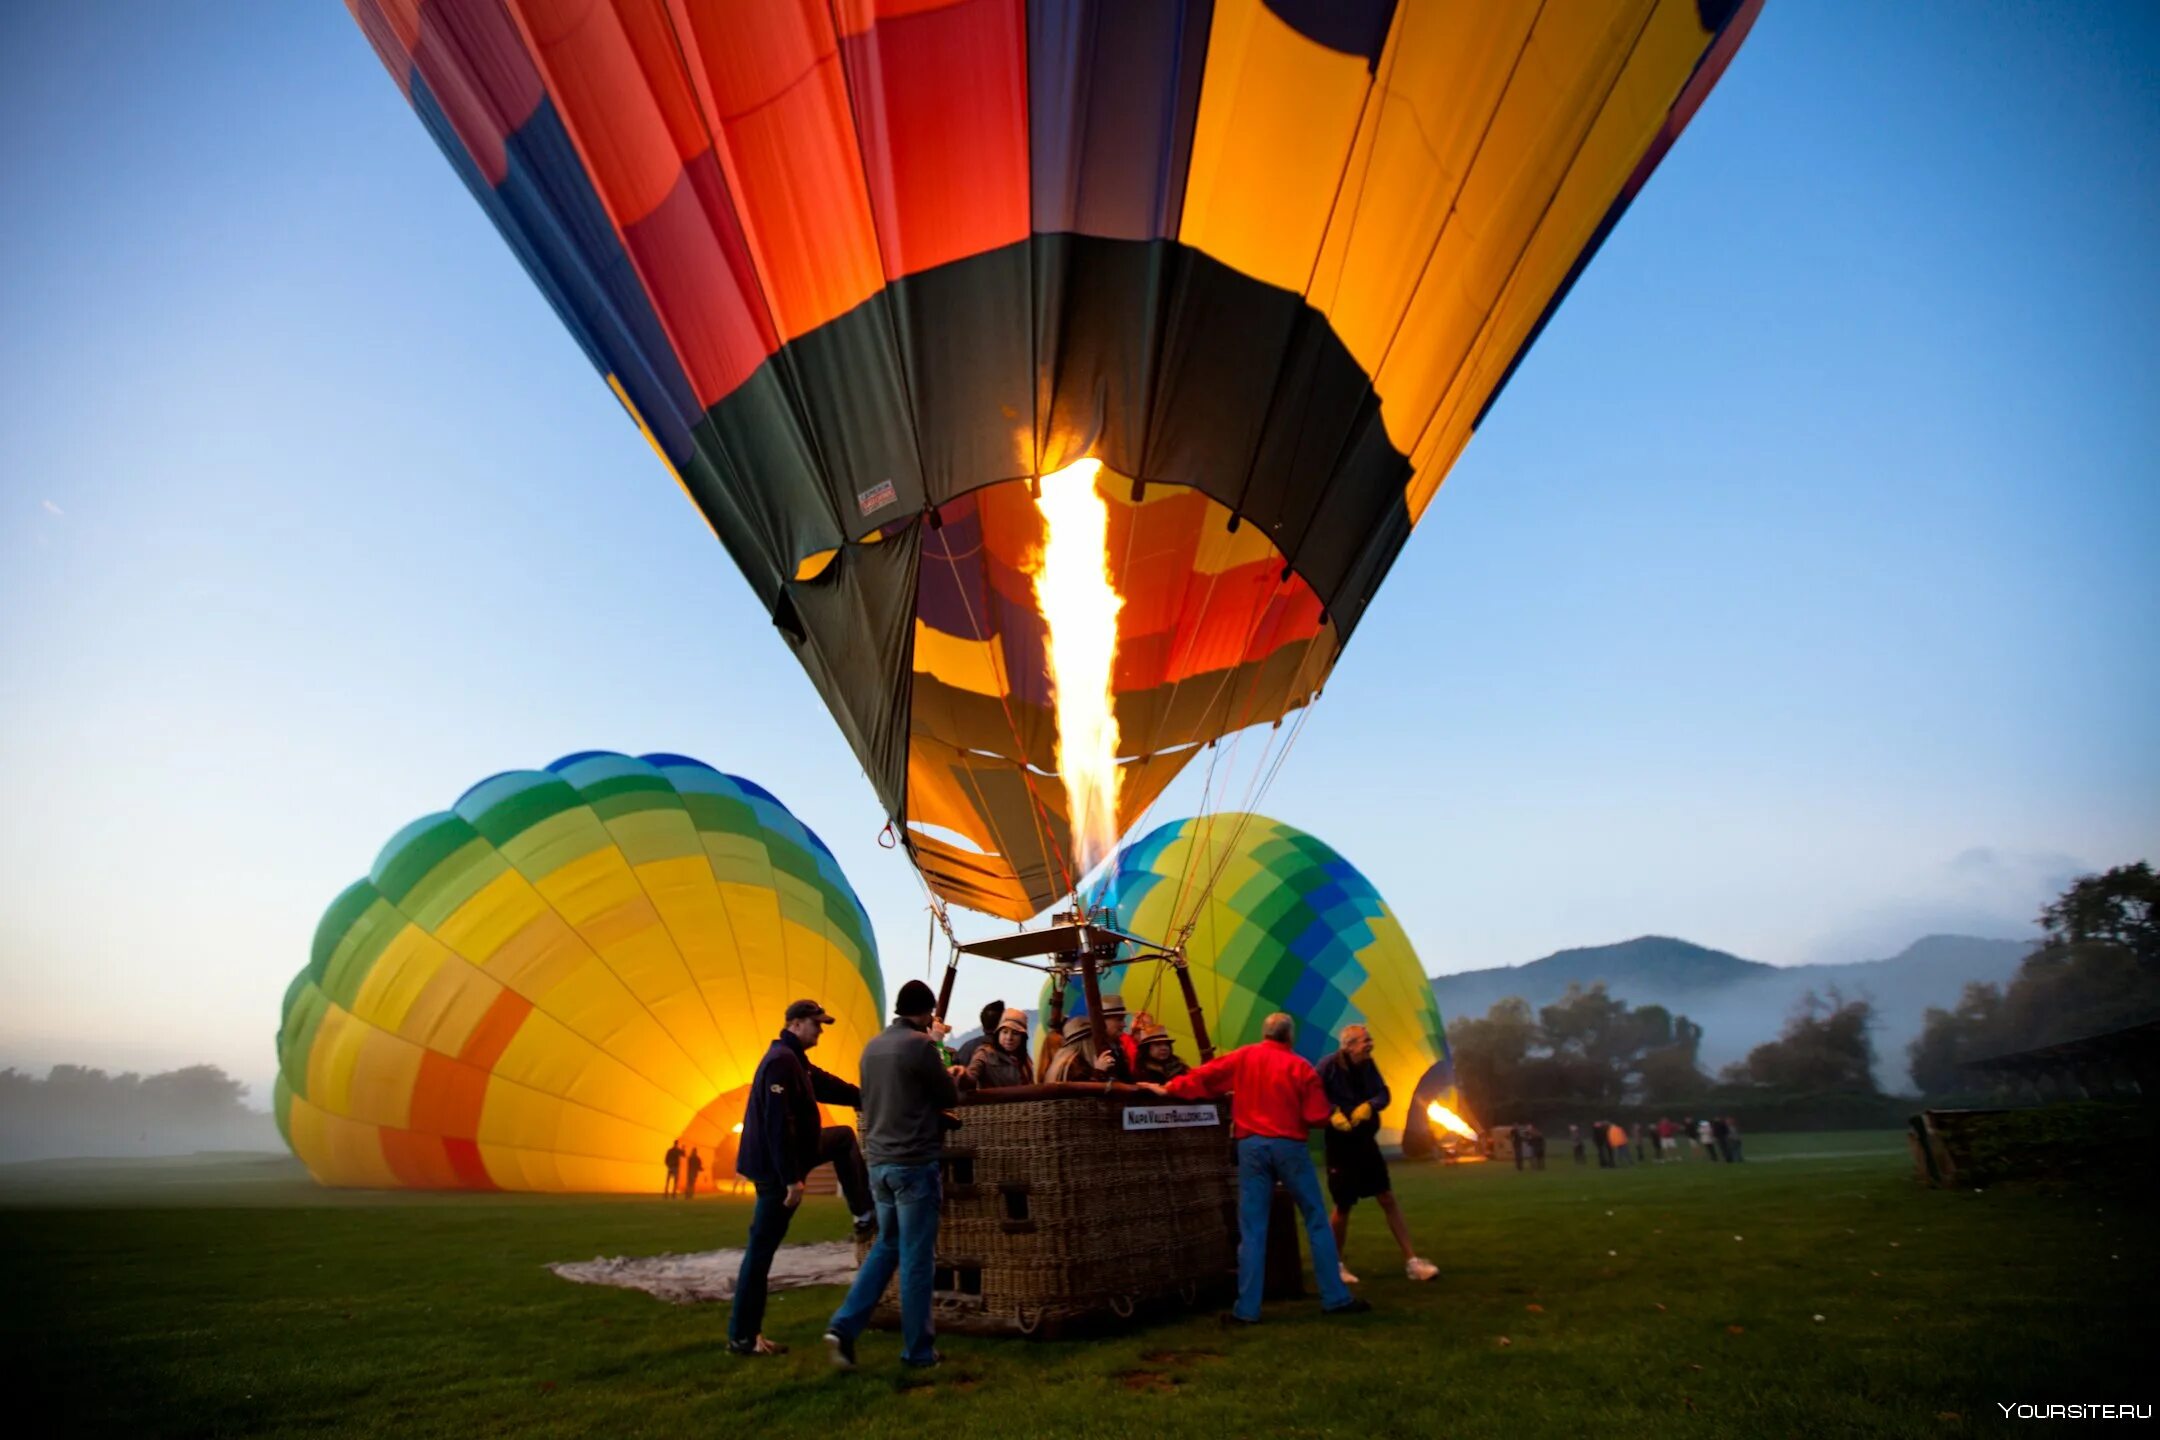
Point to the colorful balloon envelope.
(548, 984)
(862, 271)
(1279, 921)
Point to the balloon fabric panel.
(860, 270)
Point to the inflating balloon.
(1287, 924)
(865, 271)
(546, 985)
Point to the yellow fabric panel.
(592, 884)
(339, 1151)
(587, 1133)
(330, 1065)
(1660, 65)
(402, 972)
(545, 1069)
(973, 665)
(754, 918)
(1277, 116)
(513, 1167)
(381, 1087)
(684, 901)
(592, 1003)
(1440, 79)
(443, 1016)
(1221, 550)
(539, 957)
(499, 910)
(1573, 54)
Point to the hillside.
(1741, 1003)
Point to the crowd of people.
(1618, 1146)
(911, 1085)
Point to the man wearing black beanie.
(904, 1088)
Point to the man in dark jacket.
(1358, 1092)
(905, 1090)
(782, 1142)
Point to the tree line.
(1589, 1052)
(76, 1110)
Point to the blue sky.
(1797, 598)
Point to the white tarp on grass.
(710, 1274)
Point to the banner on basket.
(1169, 1117)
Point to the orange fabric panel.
(592, 71)
(496, 1030)
(419, 1161)
(448, 1097)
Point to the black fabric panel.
(848, 384)
(858, 625)
(964, 336)
(775, 493)
(1099, 308)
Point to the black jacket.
(780, 1121)
(1349, 1086)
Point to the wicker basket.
(1054, 1211)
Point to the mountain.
(1741, 1003)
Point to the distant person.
(784, 1138)
(1518, 1142)
(992, 1013)
(674, 1169)
(1004, 1062)
(1279, 1099)
(1721, 1133)
(695, 1168)
(1665, 1146)
(1601, 1137)
(1356, 1169)
(1617, 1139)
(1706, 1136)
(905, 1091)
(1642, 1141)
(1537, 1148)
(1574, 1135)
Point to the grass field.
(1814, 1290)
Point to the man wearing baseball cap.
(783, 1140)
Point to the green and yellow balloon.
(1286, 924)
(545, 985)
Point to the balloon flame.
(1448, 1120)
(1080, 606)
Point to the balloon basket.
(1075, 1205)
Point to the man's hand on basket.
(1154, 1089)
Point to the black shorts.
(1355, 1167)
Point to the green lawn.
(227, 1295)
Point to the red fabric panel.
(474, 61)
(601, 90)
(465, 1162)
(941, 103)
(392, 27)
(776, 97)
(421, 1162)
(697, 272)
(447, 1097)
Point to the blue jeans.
(907, 1225)
(1262, 1162)
(768, 1227)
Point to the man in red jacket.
(1279, 1099)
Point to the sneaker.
(842, 1348)
(1417, 1267)
(936, 1359)
(1355, 1307)
(1347, 1277)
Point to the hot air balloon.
(544, 986)
(1287, 924)
(867, 274)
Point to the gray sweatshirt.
(904, 1086)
